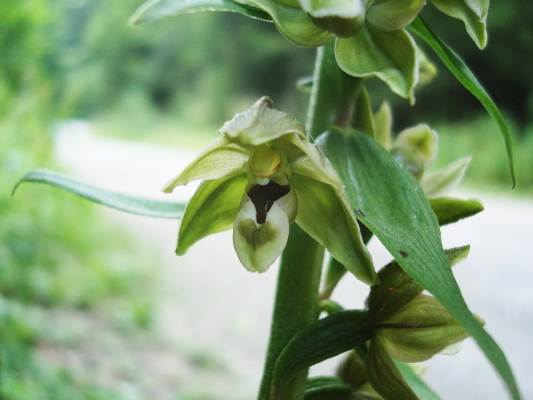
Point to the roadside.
(219, 314)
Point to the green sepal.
(325, 338)
(449, 210)
(156, 9)
(119, 201)
(326, 388)
(220, 159)
(323, 216)
(442, 181)
(472, 12)
(213, 208)
(385, 378)
(419, 330)
(293, 23)
(390, 56)
(391, 15)
(260, 124)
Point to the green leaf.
(449, 210)
(327, 388)
(420, 387)
(293, 23)
(442, 181)
(212, 209)
(474, 20)
(157, 9)
(130, 204)
(325, 338)
(390, 56)
(384, 376)
(322, 215)
(389, 201)
(463, 74)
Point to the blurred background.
(93, 302)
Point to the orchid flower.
(261, 176)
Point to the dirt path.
(211, 308)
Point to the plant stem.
(296, 304)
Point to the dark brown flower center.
(264, 196)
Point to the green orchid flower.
(261, 176)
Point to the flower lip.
(264, 196)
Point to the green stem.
(296, 304)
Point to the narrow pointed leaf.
(389, 201)
(416, 383)
(463, 74)
(390, 56)
(157, 9)
(384, 376)
(325, 338)
(449, 210)
(322, 215)
(212, 209)
(119, 201)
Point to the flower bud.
(415, 149)
(340, 27)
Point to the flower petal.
(259, 245)
(307, 159)
(212, 209)
(324, 216)
(261, 124)
(221, 158)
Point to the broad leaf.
(449, 210)
(213, 208)
(463, 74)
(390, 56)
(420, 387)
(130, 204)
(325, 338)
(157, 9)
(389, 201)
